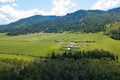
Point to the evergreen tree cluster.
(70, 69)
(68, 66)
(95, 54)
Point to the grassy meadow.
(42, 44)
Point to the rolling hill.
(81, 20)
(25, 23)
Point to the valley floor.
(43, 44)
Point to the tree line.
(95, 54)
(81, 65)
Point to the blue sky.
(47, 4)
(12, 10)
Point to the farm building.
(68, 49)
(71, 45)
(74, 44)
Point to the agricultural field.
(43, 44)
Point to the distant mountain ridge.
(25, 22)
(81, 20)
(31, 20)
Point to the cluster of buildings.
(71, 45)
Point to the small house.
(74, 44)
(68, 49)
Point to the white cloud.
(14, 4)
(11, 14)
(6, 1)
(106, 4)
(2, 16)
(5, 21)
(14, 14)
(60, 7)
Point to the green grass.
(42, 44)
(13, 56)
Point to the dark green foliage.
(95, 54)
(10, 68)
(91, 65)
(82, 20)
(113, 30)
(70, 69)
(22, 26)
(53, 56)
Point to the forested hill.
(113, 30)
(25, 23)
(82, 20)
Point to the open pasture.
(42, 44)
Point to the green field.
(42, 44)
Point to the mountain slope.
(82, 20)
(25, 23)
(31, 20)
(113, 30)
